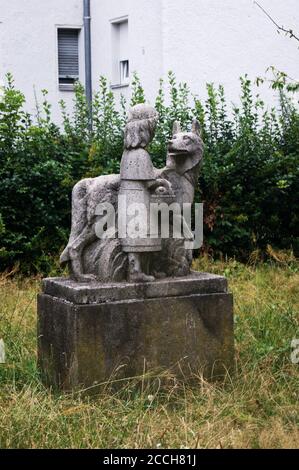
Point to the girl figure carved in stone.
(138, 181)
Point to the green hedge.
(249, 181)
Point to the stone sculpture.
(132, 304)
(144, 258)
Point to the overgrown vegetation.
(255, 408)
(249, 182)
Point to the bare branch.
(279, 28)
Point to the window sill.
(66, 88)
(119, 85)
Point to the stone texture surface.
(94, 292)
(107, 259)
(90, 334)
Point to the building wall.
(200, 40)
(28, 46)
(145, 47)
(220, 40)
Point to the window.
(120, 52)
(124, 71)
(68, 57)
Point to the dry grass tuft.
(257, 408)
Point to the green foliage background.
(249, 181)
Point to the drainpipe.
(87, 47)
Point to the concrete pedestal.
(93, 333)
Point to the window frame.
(67, 86)
(120, 81)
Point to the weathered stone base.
(91, 333)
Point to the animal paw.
(140, 277)
(86, 278)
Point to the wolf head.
(185, 149)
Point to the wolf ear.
(176, 128)
(196, 127)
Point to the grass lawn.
(257, 408)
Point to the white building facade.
(42, 44)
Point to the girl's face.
(144, 135)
